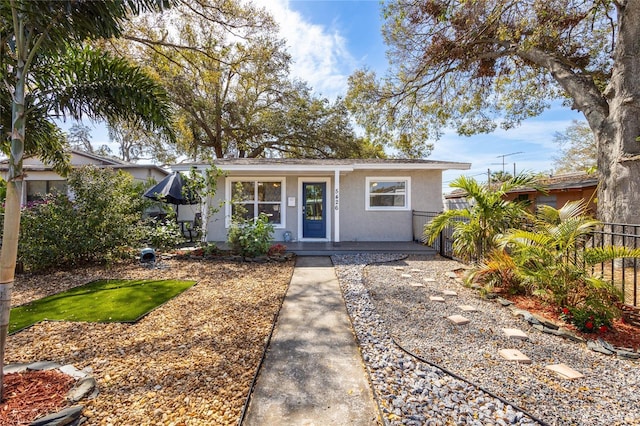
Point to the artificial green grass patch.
(99, 301)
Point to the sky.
(330, 39)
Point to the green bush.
(100, 222)
(162, 234)
(589, 320)
(251, 238)
(48, 233)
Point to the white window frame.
(407, 195)
(229, 191)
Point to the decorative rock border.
(85, 387)
(549, 327)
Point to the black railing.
(443, 244)
(623, 273)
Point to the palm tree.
(555, 258)
(487, 216)
(47, 72)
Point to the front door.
(314, 201)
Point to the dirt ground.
(189, 362)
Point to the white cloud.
(320, 55)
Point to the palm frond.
(433, 228)
(91, 83)
(595, 255)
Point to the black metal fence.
(443, 244)
(624, 274)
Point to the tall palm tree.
(487, 216)
(47, 72)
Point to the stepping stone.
(436, 298)
(467, 308)
(429, 280)
(449, 293)
(515, 333)
(415, 270)
(416, 284)
(406, 275)
(458, 320)
(399, 268)
(514, 355)
(82, 389)
(72, 371)
(564, 371)
(452, 274)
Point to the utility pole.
(506, 155)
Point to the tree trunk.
(11, 227)
(618, 146)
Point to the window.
(388, 193)
(37, 189)
(251, 197)
(547, 200)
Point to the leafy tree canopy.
(579, 151)
(473, 65)
(228, 77)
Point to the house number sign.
(336, 201)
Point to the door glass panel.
(313, 202)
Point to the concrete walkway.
(313, 372)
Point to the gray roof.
(360, 163)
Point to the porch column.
(336, 207)
(204, 208)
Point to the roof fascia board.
(327, 167)
(269, 168)
(412, 166)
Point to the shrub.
(277, 250)
(589, 320)
(48, 233)
(99, 223)
(250, 238)
(162, 234)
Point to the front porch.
(351, 247)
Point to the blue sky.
(329, 39)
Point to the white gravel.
(388, 308)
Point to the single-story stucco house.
(327, 200)
(41, 179)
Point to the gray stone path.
(313, 372)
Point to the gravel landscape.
(389, 303)
(189, 362)
(192, 360)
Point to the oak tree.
(476, 64)
(578, 149)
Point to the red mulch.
(623, 335)
(32, 395)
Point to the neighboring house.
(40, 178)
(327, 200)
(560, 189)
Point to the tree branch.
(587, 98)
